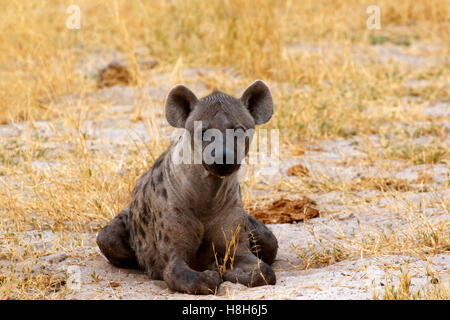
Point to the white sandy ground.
(356, 277)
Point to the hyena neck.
(208, 194)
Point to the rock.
(55, 258)
(147, 64)
(228, 288)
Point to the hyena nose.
(225, 163)
(228, 156)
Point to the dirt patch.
(383, 184)
(287, 211)
(114, 74)
(121, 73)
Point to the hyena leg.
(262, 241)
(114, 241)
(249, 270)
(179, 249)
(243, 266)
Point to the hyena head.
(222, 125)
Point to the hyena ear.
(258, 100)
(179, 103)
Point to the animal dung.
(287, 211)
(298, 170)
(114, 74)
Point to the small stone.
(56, 257)
(228, 287)
(114, 284)
(147, 64)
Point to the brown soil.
(286, 211)
(114, 74)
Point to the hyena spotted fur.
(181, 216)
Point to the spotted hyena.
(184, 219)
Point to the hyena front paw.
(251, 275)
(194, 282)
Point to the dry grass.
(227, 261)
(401, 289)
(333, 87)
